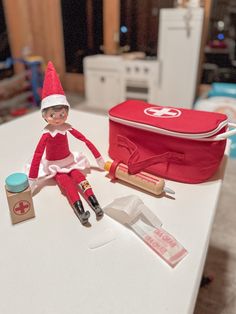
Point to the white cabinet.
(178, 55)
(103, 88)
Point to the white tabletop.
(46, 265)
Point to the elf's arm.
(92, 148)
(34, 168)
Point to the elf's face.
(56, 117)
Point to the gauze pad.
(128, 209)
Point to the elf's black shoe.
(95, 205)
(80, 213)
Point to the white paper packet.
(129, 209)
(132, 212)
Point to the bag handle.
(225, 135)
(136, 164)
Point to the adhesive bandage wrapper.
(132, 212)
(164, 244)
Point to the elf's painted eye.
(52, 115)
(62, 115)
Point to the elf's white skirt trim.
(49, 168)
(66, 165)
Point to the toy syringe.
(143, 180)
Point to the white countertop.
(46, 265)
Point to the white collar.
(55, 129)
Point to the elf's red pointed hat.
(52, 93)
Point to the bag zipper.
(146, 127)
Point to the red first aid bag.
(173, 143)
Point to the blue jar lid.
(17, 182)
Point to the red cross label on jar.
(160, 112)
(21, 207)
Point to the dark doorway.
(83, 31)
(139, 24)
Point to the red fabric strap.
(112, 171)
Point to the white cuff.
(101, 163)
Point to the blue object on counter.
(233, 147)
(223, 89)
(17, 182)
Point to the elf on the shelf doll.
(52, 155)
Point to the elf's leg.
(87, 191)
(68, 187)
